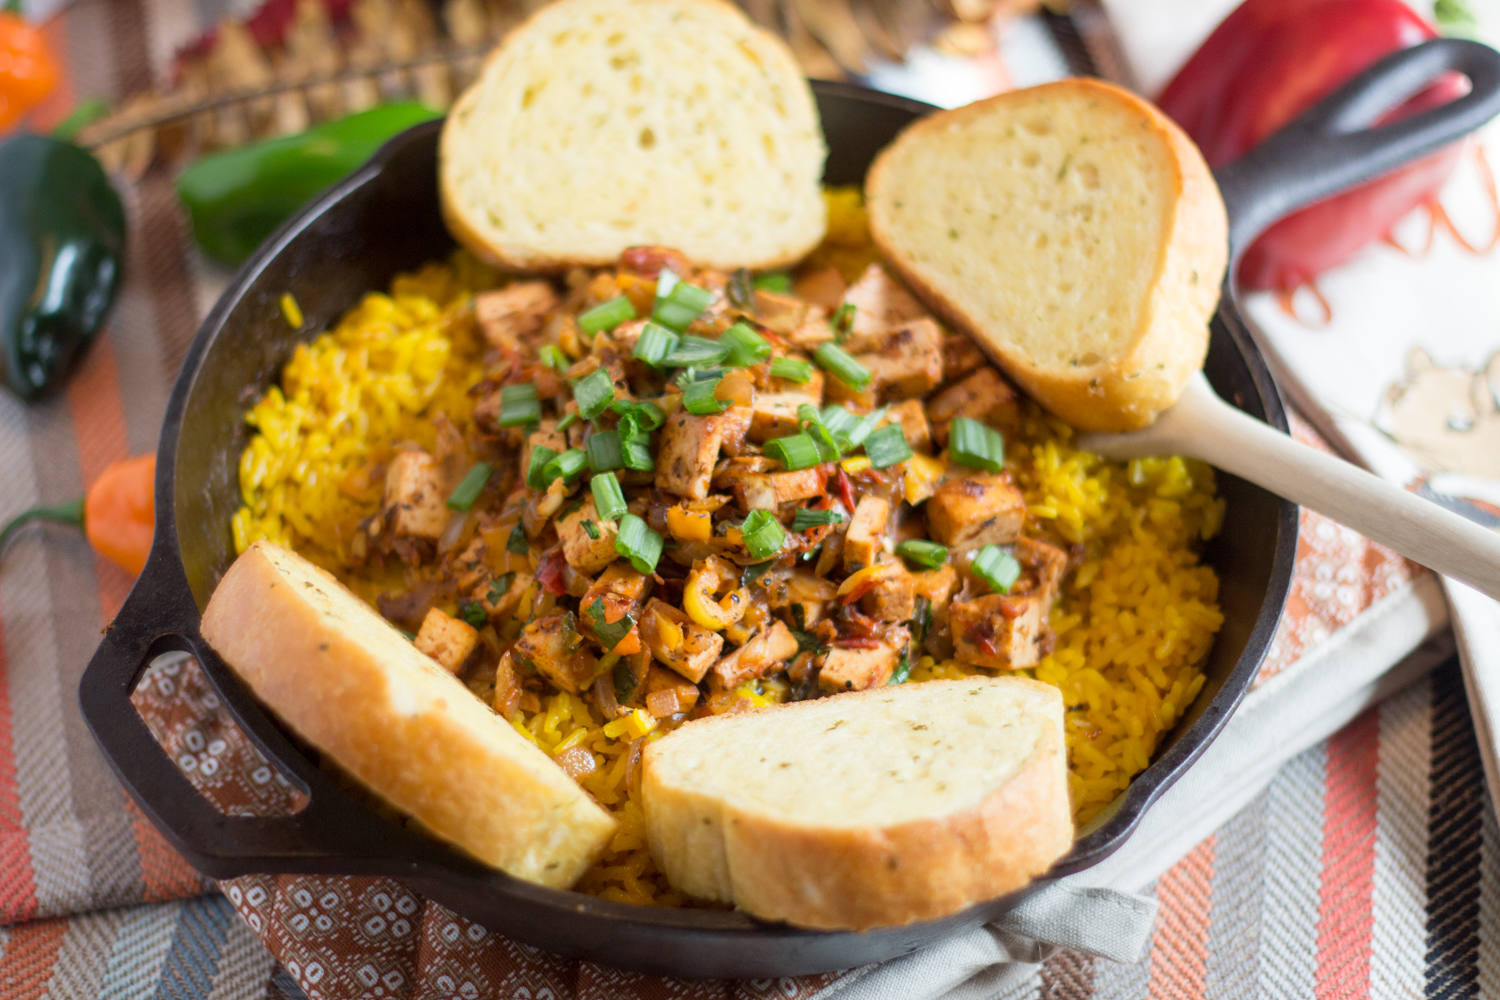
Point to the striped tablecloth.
(1370, 865)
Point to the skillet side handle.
(159, 617)
(1332, 147)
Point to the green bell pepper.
(238, 197)
(62, 251)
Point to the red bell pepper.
(1269, 61)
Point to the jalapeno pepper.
(62, 247)
(28, 72)
(238, 197)
(117, 514)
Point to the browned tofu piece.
(783, 313)
(413, 504)
(894, 596)
(862, 669)
(1001, 631)
(774, 414)
(688, 447)
(510, 314)
(936, 585)
(767, 649)
(507, 694)
(667, 694)
(581, 548)
(767, 490)
(446, 639)
(1045, 564)
(912, 417)
(961, 356)
(865, 539)
(880, 304)
(983, 508)
(908, 361)
(810, 334)
(500, 595)
(677, 641)
(824, 287)
(982, 396)
(554, 648)
(622, 589)
(800, 588)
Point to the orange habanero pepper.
(117, 514)
(28, 70)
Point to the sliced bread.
(345, 680)
(868, 809)
(603, 124)
(1073, 230)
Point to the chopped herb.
(680, 304)
(591, 529)
(553, 357)
(973, 444)
(609, 633)
(655, 342)
(843, 321)
(795, 451)
(536, 472)
(804, 518)
(755, 571)
(594, 392)
(624, 679)
(763, 534)
(903, 669)
(746, 347)
(791, 369)
(887, 447)
(842, 365)
(774, 281)
(929, 555)
(807, 642)
(638, 543)
(1062, 171)
(518, 543)
(473, 612)
(468, 490)
(519, 406)
(500, 586)
(604, 451)
(690, 350)
(609, 499)
(997, 568)
(567, 465)
(698, 397)
(568, 420)
(643, 414)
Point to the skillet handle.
(1331, 147)
(158, 617)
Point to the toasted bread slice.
(863, 810)
(603, 124)
(1074, 231)
(346, 681)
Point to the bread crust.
(828, 878)
(772, 50)
(398, 723)
(1171, 340)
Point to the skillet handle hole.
(191, 725)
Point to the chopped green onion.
(625, 682)
(922, 552)
(795, 451)
(755, 571)
(519, 406)
(763, 534)
(500, 586)
(864, 426)
(791, 369)
(680, 304)
(594, 393)
(473, 612)
(746, 347)
(698, 397)
(609, 499)
(642, 415)
(518, 543)
(467, 491)
(567, 465)
(973, 444)
(829, 448)
(839, 420)
(637, 454)
(741, 289)
(605, 316)
(553, 357)
(774, 281)
(666, 279)
(610, 633)
(843, 321)
(655, 343)
(536, 472)
(804, 518)
(690, 351)
(841, 365)
(568, 420)
(902, 671)
(603, 451)
(996, 567)
(887, 446)
(638, 543)
(591, 529)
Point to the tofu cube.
(865, 539)
(1000, 631)
(768, 490)
(774, 414)
(553, 647)
(894, 596)
(587, 551)
(1046, 564)
(983, 396)
(912, 417)
(979, 509)
(768, 648)
(507, 315)
(862, 669)
(667, 694)
(880, 304)
(936, 585)
(783, 313)
(678, 642)
(908, 362)
(688, 448)
(413, 505)
(446, 639)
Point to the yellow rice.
(1132, 627)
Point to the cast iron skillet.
(384, 219)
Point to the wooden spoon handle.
(1203, 426)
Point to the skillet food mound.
(651, 492)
